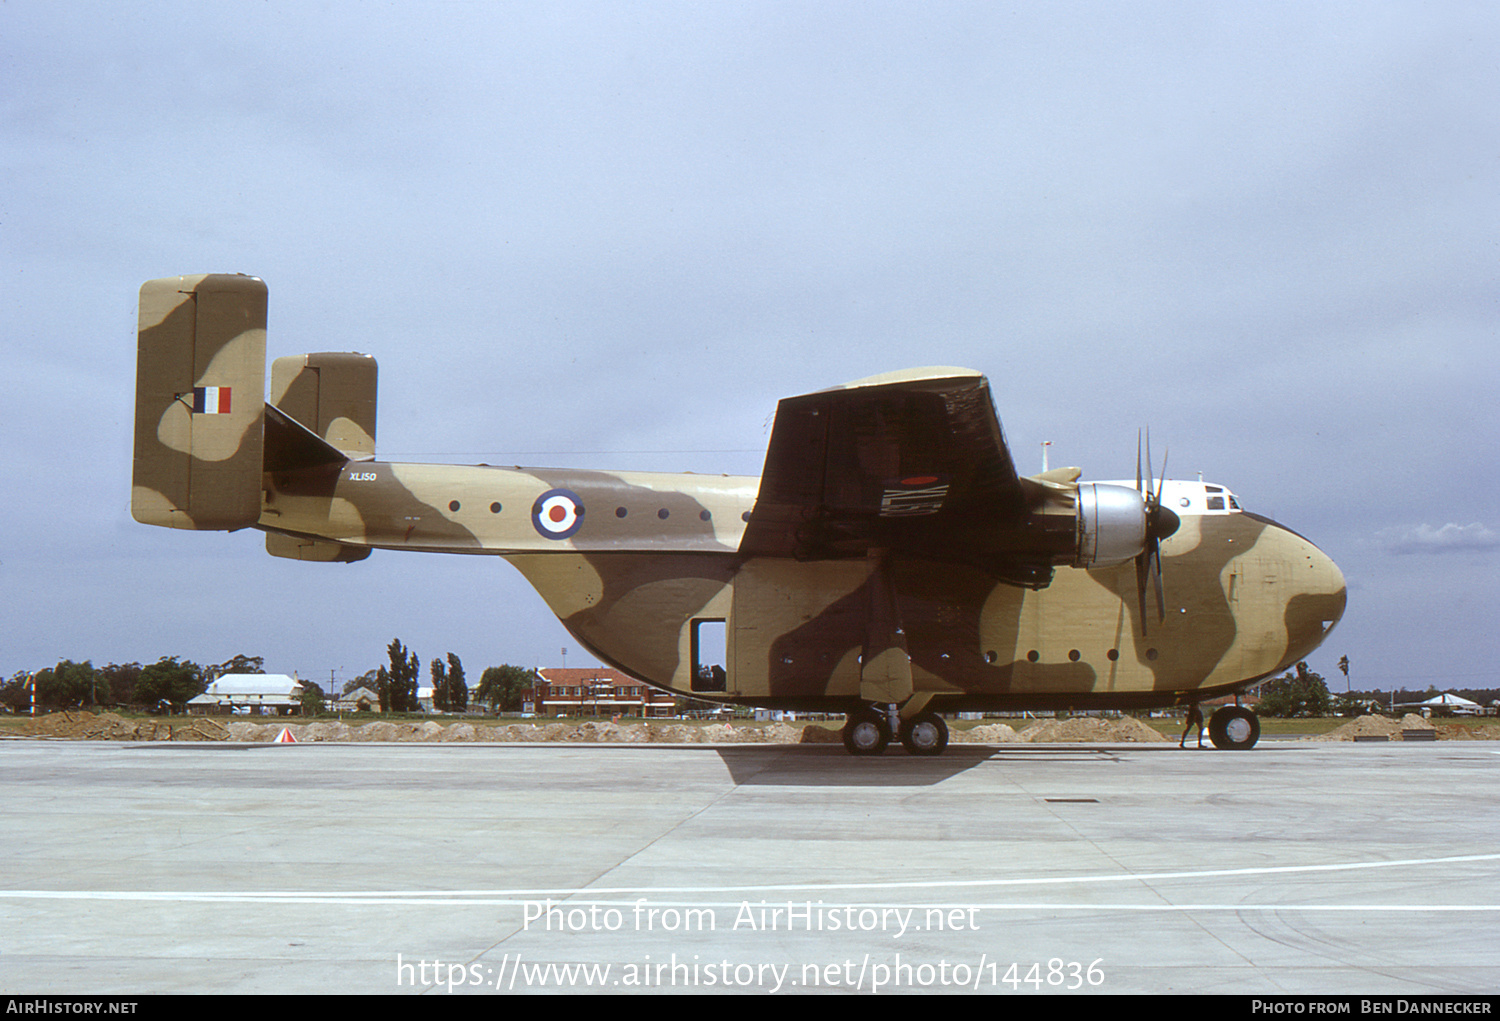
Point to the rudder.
(200, 402)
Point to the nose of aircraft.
(1316, 595)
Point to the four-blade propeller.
(1160, 523)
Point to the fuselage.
(643, 568)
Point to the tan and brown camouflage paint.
(651, 554)
(199, 471)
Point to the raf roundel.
(557, 514)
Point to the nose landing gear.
(1234, 728)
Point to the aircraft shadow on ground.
(798, 766)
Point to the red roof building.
(597, 691)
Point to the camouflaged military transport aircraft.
(889, 563)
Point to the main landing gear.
(868, 731)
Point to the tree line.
(502, 688)
(1305, 693)
(71, 685)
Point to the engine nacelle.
(1111, 524)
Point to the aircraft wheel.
(866, 733)
(925, 734)
(1234, 728)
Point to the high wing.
(913, 463)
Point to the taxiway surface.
(1295, 868)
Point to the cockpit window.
(1215, 503)
(1234, 504)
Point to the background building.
(260, 694)
(596, 691)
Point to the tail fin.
(333, 395)
(200, 402)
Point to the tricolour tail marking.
(199, 402)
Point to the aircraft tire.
(1234, 728)
(866, 733)
(924, 734)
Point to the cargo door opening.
(709, 645)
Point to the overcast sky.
(615, 234)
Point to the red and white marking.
(557, 515)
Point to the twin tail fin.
(205, 437)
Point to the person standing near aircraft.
(1194, 718)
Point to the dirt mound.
(1091, 728)
(1374, 726)
(335, 730)
(606, 733)
(82, 726)
(384, 731)
(674, 733)
(985, 733)
(588, 732)
(1459, 732)
(112, 727)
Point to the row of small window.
(993, 657)
(1073, 656)
(620, 512)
